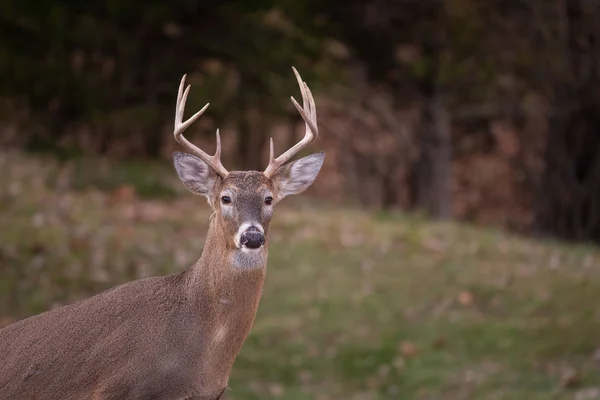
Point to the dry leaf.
(465, 298)
(408, 349)
(439, 342)
(123, 193)
(569, 378)
(597, 355)
(276, 389)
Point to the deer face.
(244, 201)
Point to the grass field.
(356, 305)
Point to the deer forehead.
(248, 182)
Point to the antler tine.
(213, 161)
(309, 115)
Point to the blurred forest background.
(430, 111)
(482, 111)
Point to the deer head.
(244, 201)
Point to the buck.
(175, 336)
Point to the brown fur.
(171, 337)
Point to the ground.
(357, 305)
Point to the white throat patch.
(249, 258)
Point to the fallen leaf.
(597, 355)
(569, 378)
(408, 349)
(465, 298)
(439, 342)
(276, 389)
(123, 193)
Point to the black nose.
(252, 238)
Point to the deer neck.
(224, 287)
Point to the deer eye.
(268, 200)
(225, 199)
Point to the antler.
(309, 115)
(213, 161)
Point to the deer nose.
(252, 238)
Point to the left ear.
(195, 174)
(297, 176)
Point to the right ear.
(297, 176)
(195, 174)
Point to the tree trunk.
(432, 173)
(568, 199)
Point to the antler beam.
(309, 115)
(213, 161)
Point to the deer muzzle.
(252, 238)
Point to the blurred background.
(448, 249)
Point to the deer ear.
(195, 174)
(297, 176)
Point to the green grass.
(355, 306)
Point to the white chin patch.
(245, 249)
(247, 259)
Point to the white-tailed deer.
(176, 336)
